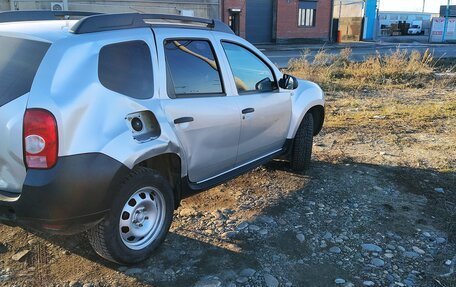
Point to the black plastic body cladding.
(78, 191)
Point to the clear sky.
(413, 5)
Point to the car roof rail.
(213, 24)
(98, 22)
(107, 22)
(38, 15)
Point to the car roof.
(54, 30)
(46, 26)
(46, 31)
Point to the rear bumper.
(67, 199)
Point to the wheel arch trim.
(307, 97)
(170, 166)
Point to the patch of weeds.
(336, 71)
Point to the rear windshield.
(19, 61)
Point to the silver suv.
(107, 121)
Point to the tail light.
(40, 139)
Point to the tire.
(302, 145)
(138, 221)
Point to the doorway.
(234, 20)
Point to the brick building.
(279, 21)
(259, 21)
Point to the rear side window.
(19, 62)
(126, 68)
(192, 69)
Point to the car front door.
(205, 119)
(265, 110)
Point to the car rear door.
(205, 119)
(265, 109)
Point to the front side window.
(192, 69)
(126, 68)
(250, 72)
(307, 12)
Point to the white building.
(387, 18)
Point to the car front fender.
(306, 96)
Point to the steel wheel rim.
(142, 218)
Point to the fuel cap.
(137, 124)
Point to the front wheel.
(138, 220)
(302, 144)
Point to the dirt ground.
(377, 208)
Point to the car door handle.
(248, 111)
(183, 120)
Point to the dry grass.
(401, 69)
(430, 110)
(396, 98)
(394, 104)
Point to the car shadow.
(183, 260)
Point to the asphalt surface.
(283, 54)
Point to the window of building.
(126, 68)
(250, 73)
(307, 12)
(193, 70)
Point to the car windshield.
(19, 62)
(415, 26)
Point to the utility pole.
(424, 4)
(447, 15)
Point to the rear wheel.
(138, 220)
(302, 144)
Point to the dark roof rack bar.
(216, 25)
(185, 19)
(38, 15)
(98, 22)
(107, 22)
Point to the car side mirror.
(288, 82)
(264, 85)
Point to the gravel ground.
(368, 213)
